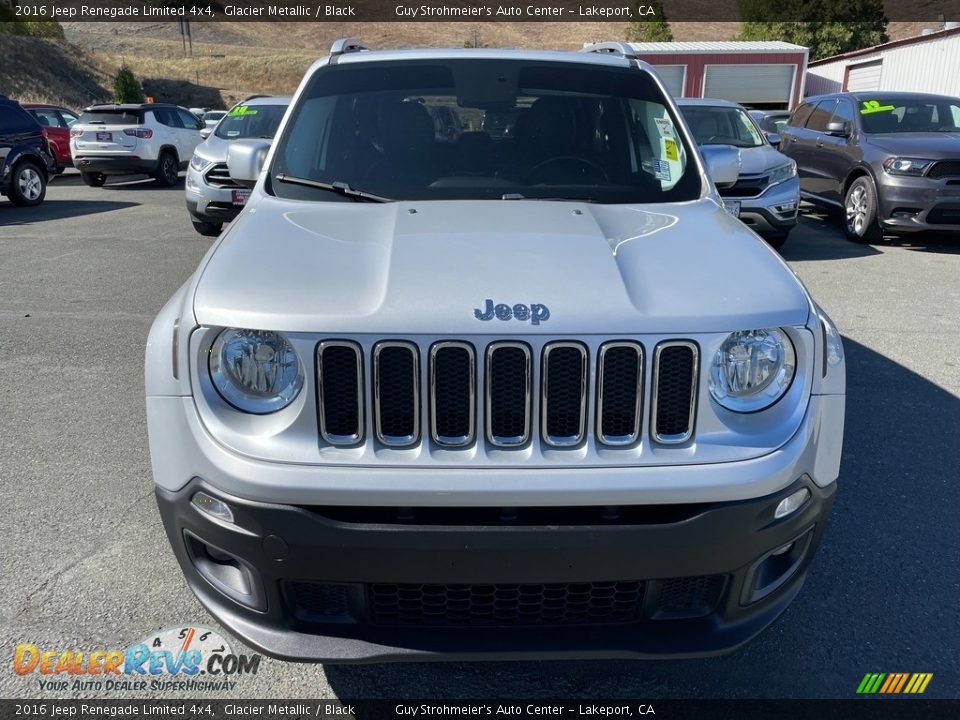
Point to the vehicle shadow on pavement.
(117, 182)
(880, 595)
(820, 237)
(57, 210)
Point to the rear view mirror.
(774, 139)
(205, 132)
(722, 163)
(841, 129)
(245, 160)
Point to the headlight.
(913, 167)
(784, 172)
(256, 371)
(198, 163)
(752, 369)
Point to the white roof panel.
(715, 46)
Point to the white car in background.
(153, 139)
(212, 117)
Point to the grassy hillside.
(50, 71)
(231, 60)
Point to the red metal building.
(764, 75)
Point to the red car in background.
(56, 122)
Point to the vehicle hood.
(754, 161)
(213, 149)
(424, 267)
(933, 146)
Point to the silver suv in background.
(212, 197)
(766, 196)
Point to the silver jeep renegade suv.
(532, 394)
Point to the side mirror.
(205, 132)
(774, 139)
(245, 160)
(840, 129)
(722, 164)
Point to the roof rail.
(612, 48)
(347, 45)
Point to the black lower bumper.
(214, 212)
(765, 222)
(376, 584)
(115, 165)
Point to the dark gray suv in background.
(891, 161)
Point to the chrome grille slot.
(675, 370)
(396, 393)
(508, 381)
(219, 176)
(340, 391)
(619, 393)
(564, 393)
(453, 385)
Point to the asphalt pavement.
(86, 563)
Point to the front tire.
(167, 173)
(28, 186)
(207, 229)
(860, 221)
(93, 179)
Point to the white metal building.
(925, 63)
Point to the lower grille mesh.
(550, 604)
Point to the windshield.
(896, 115)
(213, 115)
(251, 121)
(484, 129)
(722, 126)
(112, 117)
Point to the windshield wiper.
(341, 188)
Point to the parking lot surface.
(86, 564)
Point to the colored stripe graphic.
(894, 683)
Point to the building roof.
(718, 46)
(916, 39)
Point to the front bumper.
(774, 212)
(330, 584)
(208, 203)
(914, 204)
(114, 165)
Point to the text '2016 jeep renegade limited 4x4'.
(429, 396)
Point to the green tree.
(825, 26)
(649, 28)
(126, 88)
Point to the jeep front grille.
(453, 400)
(340, 390)
(619, 392)
(675, 368)
(396, 392)
(564, 388)
(508, 376)
(556, 400)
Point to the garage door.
(864, 77)
(672, 77)
(749, 84)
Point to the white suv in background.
(143, 139)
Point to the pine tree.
(649, 28)
(126, 88)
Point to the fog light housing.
(789, 504)
(211, 506)
(786, 207)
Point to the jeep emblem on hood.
(535, 313)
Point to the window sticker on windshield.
(670, 149)
(664, 126)
(661, 169)
(874, 106)
(242, 111)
